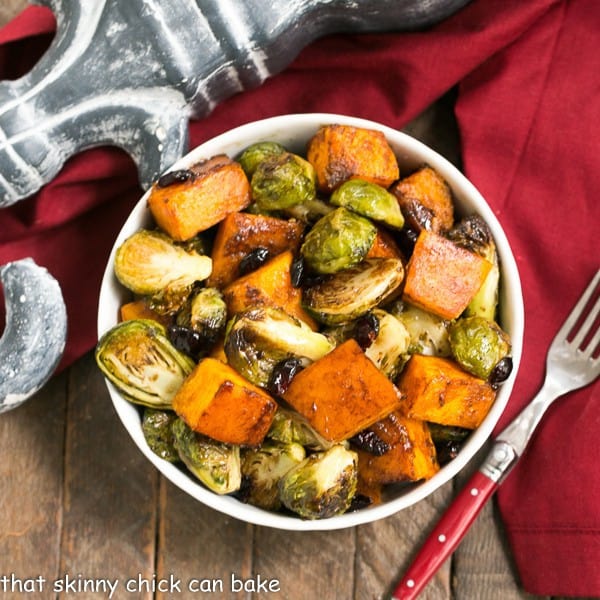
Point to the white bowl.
(294, 131)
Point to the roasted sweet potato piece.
(269, 285)
(139, 309)
(207, 193)
(342, 152)
(425, 200)
(411, 456)
(436, 389)
(240, 233)
(342, 393)
(384, 246)
(442, 277)
(217, 401)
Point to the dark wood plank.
(31, 471)
(308, 564)
(386, 547)
(111, 491)
(200, 546)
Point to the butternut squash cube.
(385, 246)
(269, 285)
(240, 233)
(438, 390)
(342, 152)
(217, 401)
(342, 393)
(214, 188)
(425, 200)
(442, 277)
(411, 457)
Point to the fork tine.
(578, 309)
(586, 327)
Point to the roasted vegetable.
(157, 426)
(216, 465)
(270, 285)
(478, 345)
(411, 455)
(215, 188)
(148, 262)
(290, 426)
(322, 485)
(342, 152)
(352, 292)
(217, 401)
(425, 200)
(309, 211)
(137, 357)
(241, 233)
(140, 309)
(442, 277)
(282, 181)
(342, 393)
(256, 153)
(428, 332)
(474, 234)
(205, 312)
(263, 467)
(438, 390)
(385, 246)
(258, 339)
(337, 241)
(370, 200)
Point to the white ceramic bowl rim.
(293, 131)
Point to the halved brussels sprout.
(216, 465)
(391, 344)
(258, 339)
(157, 426)
(428, 332)
(137, 357)
(148, 262)
(263, 467)
(353, 292)
(370, 200)
(256, 153)
(478, 345)
(204, 312)
(474, 234)
(282, 181)
(322, 485)
(337, 241)
(288, 427)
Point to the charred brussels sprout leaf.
(474, 234)
(263, 467)
(322, 485)
(478, 345)
(137, 357)
(254, 154)
(282, 181)
(157, 428)
(288, 427)
(259, 339)
(204, 312)
(370, 200)
(216, 465)
(337, 241)
(148, 262)
(353, 292)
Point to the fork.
(572, 362)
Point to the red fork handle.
(446, 535)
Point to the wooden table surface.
(82, 509)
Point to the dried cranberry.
(188, 341)
(173, 177)
(282, 375)
(254, 259)
(447, 451)
(297, 271)
(369, 441)
(367, 330)
(501, 371)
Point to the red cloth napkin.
(529, 115)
